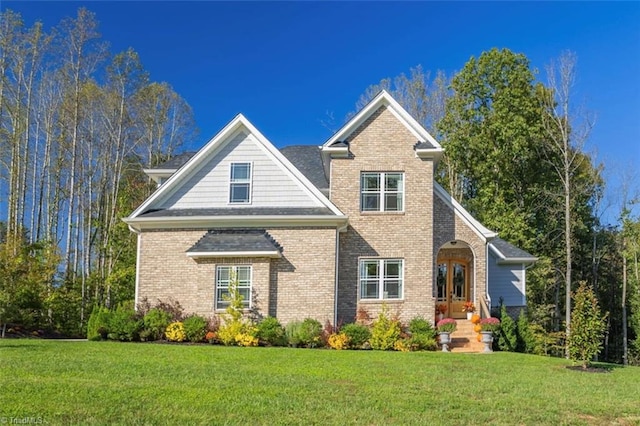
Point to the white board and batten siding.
(208, 186)
(506, 281)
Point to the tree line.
(516, 158)
(77, 125)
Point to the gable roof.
(426, 144)
(221, 139)
(308, 159)
(508, 253)
(483, 232)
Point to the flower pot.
(469, 315)
(487, 339)
(445, 339)
(440, 316)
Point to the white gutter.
(140, 223)
(204, 254)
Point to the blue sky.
(285, 65)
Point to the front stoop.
(464, 339)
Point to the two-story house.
(320, 231)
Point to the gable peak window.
(382, 191)
(240, 183)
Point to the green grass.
(119, 383)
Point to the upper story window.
(240, 183)
(382, 192)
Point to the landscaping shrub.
(508, 334)
(357, 334)
(292, 333)
(417, 342)
(338, 341)
(526, 339)
(175, 332)
(311, 333)
(587, 326)
(385, 331)
(247, 337)
(172, 307)
(229, 330)
(271, 333)
(419, 325)
(195, 328)
(124, 324)
(98, 324)
(155, 323)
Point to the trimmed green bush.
(419, 325)
(358, 335)
(508, 334)
(311, 333)
(195, 328)
(292, 333)
(271, 332)
(98, 324)
(587, 326)
(155, 323)
(124, 324)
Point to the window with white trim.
(381, 278)
(225, 275)
(240, 183)
(382, 192)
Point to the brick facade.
(300, 284)
(450, 227)
(383, 144)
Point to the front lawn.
(135, 383)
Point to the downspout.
(335, 291)
(486, 276)
(139, 237)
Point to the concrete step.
(464, 339)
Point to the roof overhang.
(483, 232)
(429, 153)
(209, 254)
(504, 260)
(206, 222)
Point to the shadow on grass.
(595, 367)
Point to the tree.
(587, 325)
(567, 130)
(490, 130)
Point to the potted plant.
(445, 327)
(441, 310)
(469, 308)
(488, 327)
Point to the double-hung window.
(381, 278)
(226, 276)
(382, 192)
(240, 183)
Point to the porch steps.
(464, 339)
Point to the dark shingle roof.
(241, 211)
(177, 161)
(307, 159)
(423, 145)
(509, 251)
(235, 240)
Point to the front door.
(453, 286)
